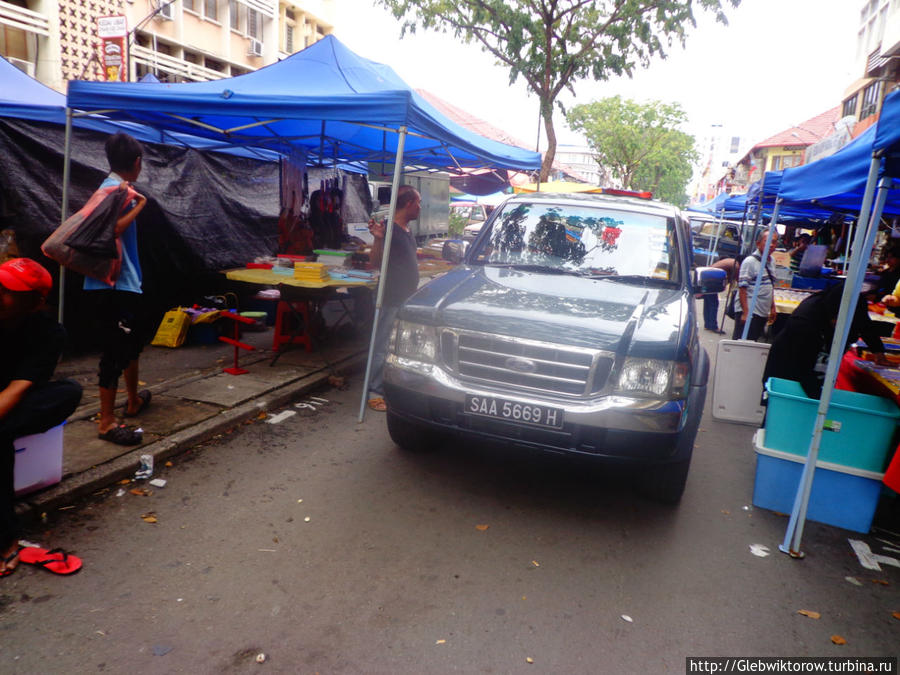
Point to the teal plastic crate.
(859, 428)
(840, 496)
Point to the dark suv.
(569, 327)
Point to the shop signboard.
(831, 144)
(113, 33)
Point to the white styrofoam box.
(737, 384)
(38, 460)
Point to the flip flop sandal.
(378, 404)
(8, 559)
(122, 436)
(55, 560)
(145, 395)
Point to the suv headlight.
(654, 377)
(414, 341)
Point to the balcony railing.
(174, 65)
(268, 8)
(24, 19)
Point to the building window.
(211, 10)
(289, 39)
(871, 97)
(188, 5)
(850, 106)
(253, 23)
(214, 64)
(234, 16)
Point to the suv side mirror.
(454, 250)
(709, 280)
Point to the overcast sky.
(777, 64)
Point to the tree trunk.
(550, 154)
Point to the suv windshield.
(581, 239)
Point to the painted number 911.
(512, 411)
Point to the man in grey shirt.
(764, 309)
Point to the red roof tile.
(806, 133)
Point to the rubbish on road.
(169, 464)
(854, 581)
(149, 517)
(260, 658)
(281, 417)
(440, 642)
(481, 528)
(161, 650)
(838, 640)
(267, 550)
(306, 520)
(125, 481)
(299, 501)
(158, 482)
(528, 659)
(535, 563)
(141, 492)
(627, 618)
(146, 468)
(809, 613)
(337, 381)
(120, 492)
(896, 615)
(759, 550)
(747, 508)
(55, 560)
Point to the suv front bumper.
(614, 427)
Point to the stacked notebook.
(307, 271)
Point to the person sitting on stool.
(31, 343)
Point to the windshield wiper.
(633, 279)
(545, 269)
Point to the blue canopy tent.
(846, 179)
(326, 100)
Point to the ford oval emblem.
(520, 365)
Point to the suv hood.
(564, 309)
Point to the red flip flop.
(55, 560)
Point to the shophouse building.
(174, 40)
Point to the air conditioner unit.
(165, 10)
(255, 48)
(26, 67)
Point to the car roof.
(597, 200)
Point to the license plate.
(512, 411)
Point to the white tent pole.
(67, 152)
(386, 254)
(712, 251)
(865, 238)
(763, 259)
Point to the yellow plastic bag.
(172, 329)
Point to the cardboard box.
(38, 460)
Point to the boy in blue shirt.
(118, 308)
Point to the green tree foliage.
(640, 144)
(554, 43)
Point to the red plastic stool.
(292, 324)
(238, 345)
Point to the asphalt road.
(319, 544)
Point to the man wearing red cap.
(30, 346)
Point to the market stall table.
(302, 299)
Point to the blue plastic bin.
(859, 428)
(840, 496)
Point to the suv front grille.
(528, 364)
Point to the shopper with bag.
(117, 307)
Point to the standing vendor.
(763, 310)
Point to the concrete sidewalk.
(193, 400)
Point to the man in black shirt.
(400, 281)
(30, 346)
